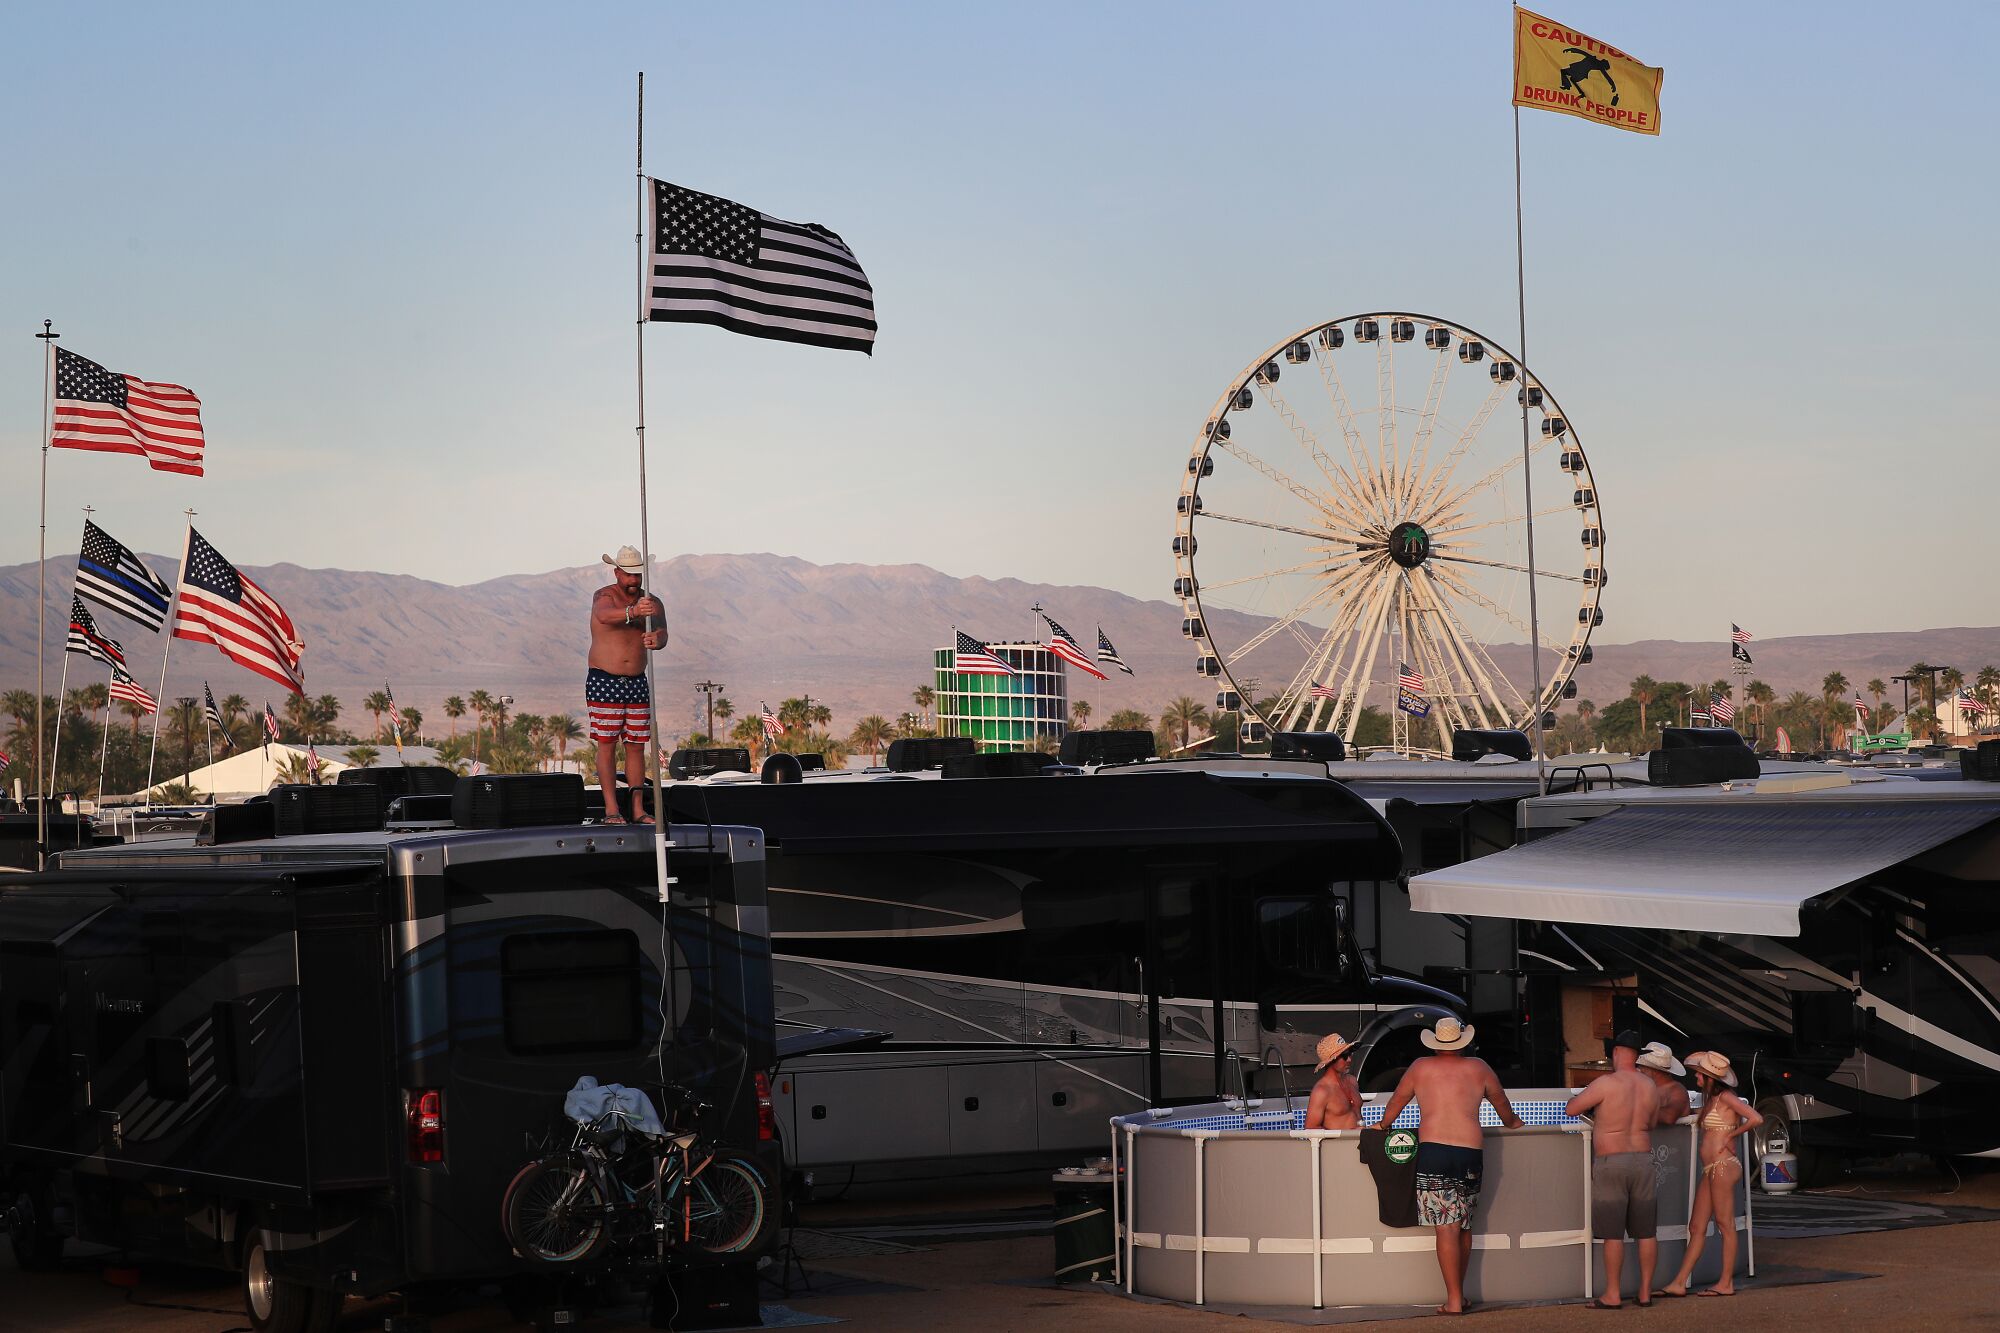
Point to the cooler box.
(1086, 1242)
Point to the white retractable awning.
(1743, 871)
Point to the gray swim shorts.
(1623, 1197)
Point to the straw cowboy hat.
(1715, 1065)
(1331, 1047)
(1448, 1035)
(628, 559)
(1658, 1055)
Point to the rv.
(1836, 933)
(1052, 949)
(313, 1046)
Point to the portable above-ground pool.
(1235, 1203)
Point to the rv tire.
(279, 1305)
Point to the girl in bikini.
(1724, 1117)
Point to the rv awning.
(1683, 867)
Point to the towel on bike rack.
(589, 1100)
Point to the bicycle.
(616, 1188)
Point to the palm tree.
(413, 725)
(454, 708)
(749, 733)
(20, 704)
(361, 756)
(377, 704)
(1079, 713)
(566, 731)
(724, 709)
(1757, 692)
(1129, 719)
(293, 769)
(1186, 714)
(1926, 683)
(1876, 689)
(452, 753)
(499, 708)
(1989, 684)
(136, 712)
(481, 703)
(925, 698)
(1643, 691)
(298, 718)
(871, 733)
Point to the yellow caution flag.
(1557, 68)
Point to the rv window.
(1299, 935)
(570, 991)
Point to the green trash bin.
(1086, 1241)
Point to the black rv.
(1054, 948)
(315, 1049)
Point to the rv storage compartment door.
(348, 1076)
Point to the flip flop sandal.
(1711, 1291)
(1670, 1295)
(1594, 1304)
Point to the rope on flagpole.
(55, 751)
(166, 652)
(43, 770)
(104, 751)
(1527, 474)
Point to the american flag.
(1319, 691)
(395, 720)
(4, 761)
(270, 726)
(86, 641)
(772, 727)
(973, 658)
(214, 716)
(1860, 713)
(1721, 709)
(1738, 638)
(715, 261)
(1410, 691)
(1968, 704)
(1106, 653)
(312, 759)
(109, 574)
(104, 411)
(219, 605)
(1784, 741)
(129, 690)
(1063, 644)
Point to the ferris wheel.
(1337, 545)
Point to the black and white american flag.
(106, 412)
(1106, 653)
(85, 640)
(715, 261)
(110, 574)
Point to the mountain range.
(858, 638)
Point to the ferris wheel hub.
(1409, 544)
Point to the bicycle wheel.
(554, 1213)
(726, 1207)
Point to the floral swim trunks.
(1448, 1181)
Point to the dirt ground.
(1937, 1278)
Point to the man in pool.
(1657, 1063)
(1336, 1098)
(1623, 1188)
(1448, 1087)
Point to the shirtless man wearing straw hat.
(1336, 1098)
(615, 691)
(1451, 1159)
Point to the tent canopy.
(1742, 871)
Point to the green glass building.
(1004, 712)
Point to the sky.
(391, 248)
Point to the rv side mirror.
(1267, 1015)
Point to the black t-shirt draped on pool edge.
(1395, 1181)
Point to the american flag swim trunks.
(620, 707)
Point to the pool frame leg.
(1200, 1222)
(1319, 1261)
(1131, 1171)
(1589, 1241)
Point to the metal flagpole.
(104, 752)
(159, 699)
(646, 545)
(209, 727)
(1527, 475)
(55, 751)
(42, 767)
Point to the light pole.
(709, 689)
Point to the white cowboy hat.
(1448, 1035)
(1658, 1055)
(628, 559)
(1331, 1047)
(1715, 1065)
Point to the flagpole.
(645, 537)
(42, 767)
(1527, 474)
(165, 653)
(104, 753)
(55, 751)
(209, 727)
